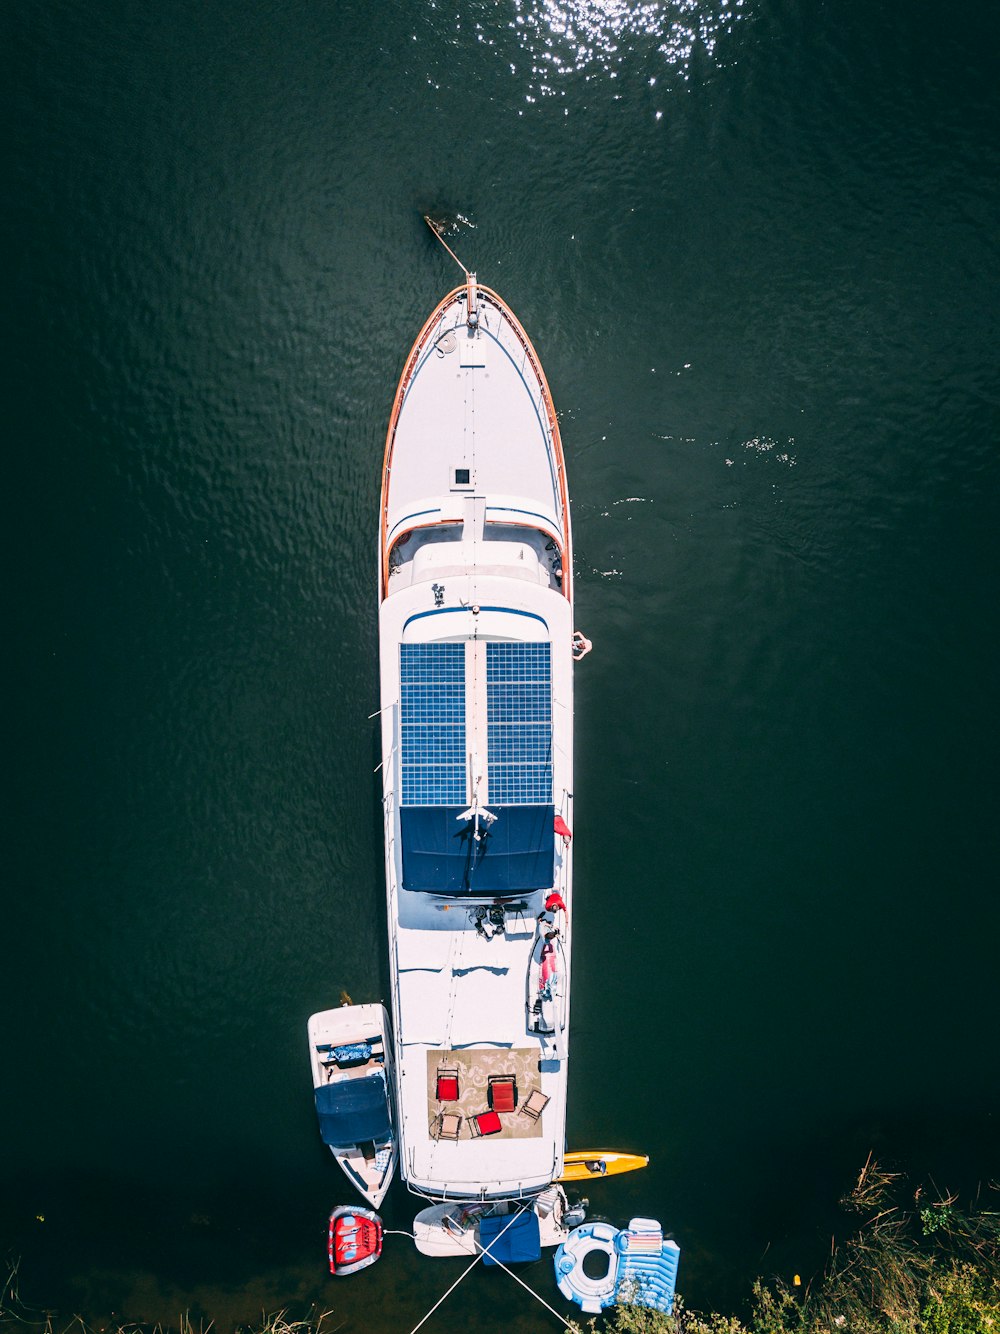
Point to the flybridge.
(476, 725)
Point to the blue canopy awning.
(441, 856)
(353, 1110)
(520, 1239)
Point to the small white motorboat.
(454, 1229)
(350, 1051)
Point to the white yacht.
(477, 653)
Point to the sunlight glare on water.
(601, 36)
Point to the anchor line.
(468, 1270)
(528, 1288)
(434, 229)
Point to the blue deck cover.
(520, 1241)
(353, 1110)
(440, 855)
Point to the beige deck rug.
(475, 1065)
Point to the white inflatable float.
(640, 1268)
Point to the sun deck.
(461, 1005)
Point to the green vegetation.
(914, 1266)
(16, 1318)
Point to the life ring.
(591, 1294)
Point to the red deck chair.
(447, 1083)
(486, 1123)
(502, 1093)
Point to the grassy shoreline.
(915, 1263)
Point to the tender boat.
(351, 1056)
(477, 653)
(455, 1229)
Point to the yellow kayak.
(588, 1164)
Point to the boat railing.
(542, 403)
(555, 439)
(528, 357)
(565, 863)
(567, 854)
(473, 1189)
(389, 831)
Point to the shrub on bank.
(914, 1266)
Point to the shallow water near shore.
(755, 246)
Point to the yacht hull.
(476, 672)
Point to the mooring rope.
(525, 1286)
(468, 1270)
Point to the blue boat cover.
(441, 856)
(520, 1240)
(353, 1110)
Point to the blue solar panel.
(510, 703)
(518, 663)
(432, 742)
(519, 723)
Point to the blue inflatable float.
(641, 1266)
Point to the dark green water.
(756, 246)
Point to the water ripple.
(600, 36)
